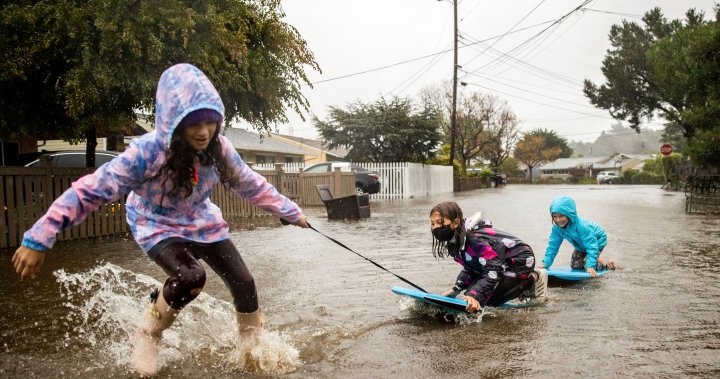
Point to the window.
(324, 167)
(69, 160)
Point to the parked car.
(74, 158)
(607, 177)
(497, 180)
(366, 181)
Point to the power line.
(541, 103)
(505, 80)
(422, 57)
(506, 33)
(557, 22)
(609, 12)
(534, 93)
(419, 73)
(382, 67)
(552, 76)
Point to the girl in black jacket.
(496, 266)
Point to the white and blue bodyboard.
(567, 273)
(447, 304)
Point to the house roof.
(317, 144)
(612, 162)
(246, 140)
(565, 163)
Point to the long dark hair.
(180, 164)
(451, 211)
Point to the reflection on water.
(331, 314)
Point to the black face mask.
(443, 233)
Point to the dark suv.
(366, 181)
(72, 158)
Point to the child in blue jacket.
(588, 238)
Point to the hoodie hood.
(182, 89)
(566, 206)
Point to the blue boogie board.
(567, 273)
(448, 304)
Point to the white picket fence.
(398, 180)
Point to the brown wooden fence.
(27, 192)
(461, 184)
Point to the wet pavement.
(331, 313)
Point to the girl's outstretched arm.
(108, 183)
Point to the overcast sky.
(522, 51)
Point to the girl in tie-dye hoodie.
(168, 175)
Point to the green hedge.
(641, 177)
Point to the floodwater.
(331, 314)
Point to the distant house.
(256, 149)
(320, 151)
(105, 141)
(251, 146)
(560, 168)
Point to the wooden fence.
(462, 184)
(27, 192)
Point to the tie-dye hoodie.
(152, 214)
(583, 234)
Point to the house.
(263, 149)
(320, 152)
(560, 168)
(252, 146)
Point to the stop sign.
(666, 149)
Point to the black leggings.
(508, 289)
(577, 261)
(179, 259)
(516, 280)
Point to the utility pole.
(453, 112)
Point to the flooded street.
(331, 314)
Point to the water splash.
(438, 313)
(107, 302)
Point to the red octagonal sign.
(666, 149)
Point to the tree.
(630, 92)
(669, 68)
(510, 167)
(503, 133)
(673, 135)
(392, 130)
(552, 139)
(485, 126)
(75, 67)
(533, 149)
(477, 126)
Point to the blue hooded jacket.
(583, 234)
